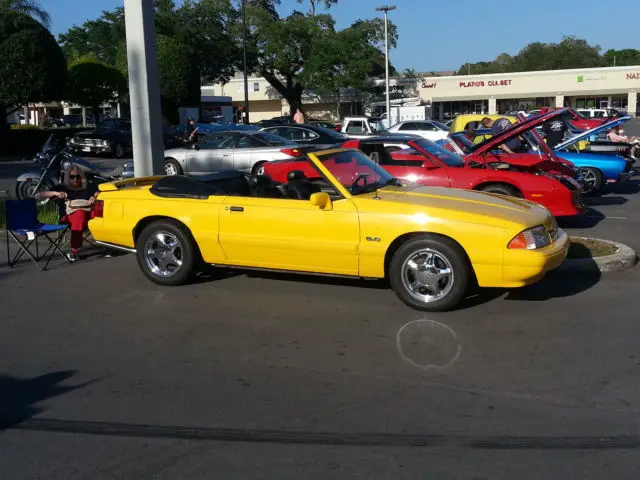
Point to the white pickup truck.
(362, 127)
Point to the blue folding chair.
(22, 221)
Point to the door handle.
(237, 209)
(226, 155)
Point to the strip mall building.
(457, 94)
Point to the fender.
(30, 176)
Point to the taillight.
(98, 209)
(292, 152)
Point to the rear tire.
(167, 253)
(430, 273)
(502, 190)
(172, 167)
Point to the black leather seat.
(299, 186)
(265, 187)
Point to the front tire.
(430, 273)
(119, 151)
(166, 253)
(172, 167)
(593, 179)
(502, 190)
(258, 169)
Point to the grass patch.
(588, 248)
(48, 213)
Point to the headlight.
(105, 143)
(531, 239)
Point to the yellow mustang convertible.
(334, 212)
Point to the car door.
(243, 153)
(290, 234)
(214, 154)
(412, 166)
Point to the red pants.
(77, 222)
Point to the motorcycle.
(54, 159)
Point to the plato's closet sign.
(484, 83)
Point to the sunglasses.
(74, 177)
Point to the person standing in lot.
(554, 132)
(298, 117)
(498, 126)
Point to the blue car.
(601, 163)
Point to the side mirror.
(322, 200)
(195, 146)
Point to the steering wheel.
(355, 188)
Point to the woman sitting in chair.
(76, 208)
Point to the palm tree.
(27, 7)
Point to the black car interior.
(240, 184)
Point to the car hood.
(594, 131)
(518, 129)
(91, 134)
(468, 205)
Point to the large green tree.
(571, 52)
(621, 58)
(31, 8)
(202, 27)
(33, 67)
(306, 51)
(92, 83)
(179, 79)
(314, 3)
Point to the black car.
(111, 136)
(305, 134)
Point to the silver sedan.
(230, 150)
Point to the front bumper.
(524, 267)
(94, 149)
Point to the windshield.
(377, 125)
(272, 139)
(440, 125)
(450, 159)
(357, 172)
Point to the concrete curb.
(624, 259)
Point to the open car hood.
(594, 131)
(528, 125)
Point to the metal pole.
(144, 88)
(244, 59)
(386, 9)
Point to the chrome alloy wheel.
(163, 254)
(589, 179)
(170, 169)
(427, 275)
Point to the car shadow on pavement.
(605, 200)
(589, 219)
(18, 396)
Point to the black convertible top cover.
(230, 182)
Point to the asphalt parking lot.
(105, 375)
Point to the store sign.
(429, 85)
(482, 83)
(633, 76)
(583, 78)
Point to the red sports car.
(576, 119)
(424, 162)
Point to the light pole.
(244, 60)
(386, 9)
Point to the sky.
(443, 35)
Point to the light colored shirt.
(298, 117)
(614, 137)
